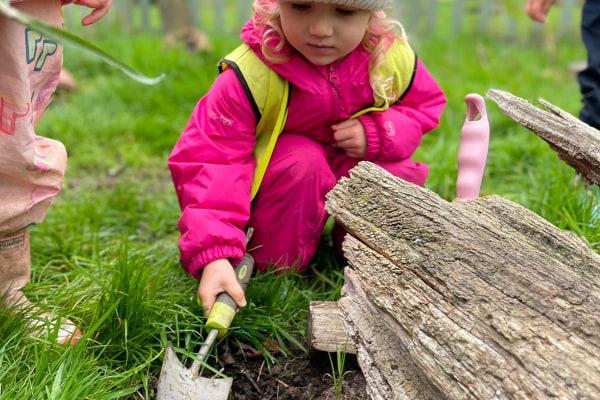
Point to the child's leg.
(288, 213)
(15, 267)
(15, 270)
(31, 167)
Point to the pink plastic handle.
(472, 153)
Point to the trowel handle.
(473, 149)
(224, 309)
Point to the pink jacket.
(212, 163)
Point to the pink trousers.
(288, 213)
(31, 167)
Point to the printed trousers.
(31, 166)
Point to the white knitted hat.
(374, 5)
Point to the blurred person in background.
(589, 78)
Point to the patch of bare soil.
(302, 377)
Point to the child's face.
(323, 33)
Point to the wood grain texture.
(487, 299)
(325, 331)
(575, 142)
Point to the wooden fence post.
(145, 11)
(195, 13)
(408, 14)
(245, 10)
(124, 13)
(219, 15)
(458, 16)
(69, 14)
(484, 15)
(567, 9)
(432, 15)
(511, 27)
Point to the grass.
(337, 370)
(106, 256)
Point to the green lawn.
(107, 256)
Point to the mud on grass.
(299, 377)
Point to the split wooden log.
(325, 331)
(575, 142)
(475, 300)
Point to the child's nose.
(320, 27)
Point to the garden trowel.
(176, 382)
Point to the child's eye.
(345, 11)
(300, 6)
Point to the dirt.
(300, 377)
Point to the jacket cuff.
(373, 139)
(195, 263)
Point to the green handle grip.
(224, 309)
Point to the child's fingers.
(237, 294)
(342, 135)
(547, 6)
(101, 8)
(346, 144)
(94, 16)
(345, 124)
(94, 3)
(537, 9)
(353, 147)
(207, 299)
(347, 139)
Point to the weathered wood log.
(385, 361)
(477, 300)
(575, 142)
(325, 331)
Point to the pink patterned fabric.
(31, 167)
(212, 164)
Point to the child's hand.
(537, 9)
(350, 135)
(218, 277)
(100, 7)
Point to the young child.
(356, 92)
(31, 166)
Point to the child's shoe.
(15, 270)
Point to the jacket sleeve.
(395, 134)
(212, 167)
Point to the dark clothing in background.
(589, 79)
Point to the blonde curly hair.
(381, 33)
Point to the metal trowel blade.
(176, 382)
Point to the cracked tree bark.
(575, 142)
(476, 300)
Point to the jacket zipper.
(333, 80)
